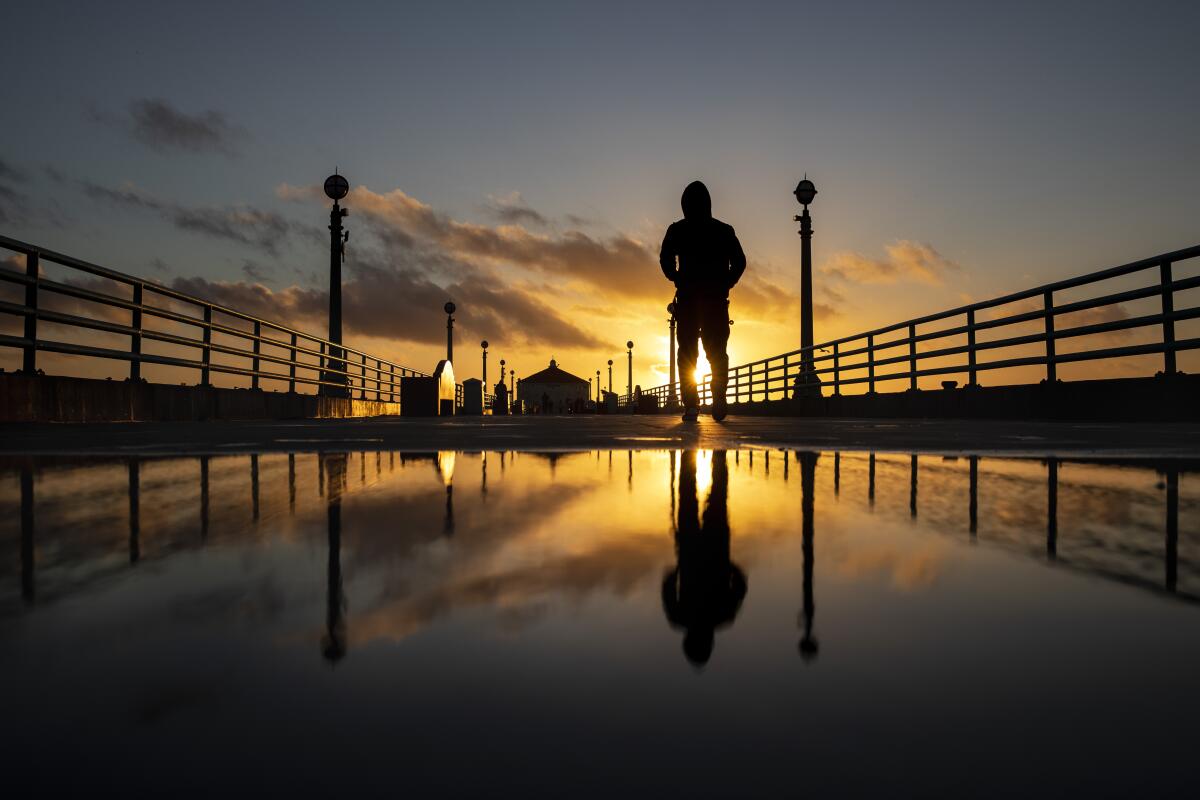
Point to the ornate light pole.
(671, 384)
(630, 346)
(449, 309)
(598, 382)
(336, 188)
(512, 381)
(484, 346)
(610, 375)
(502, 372)
(807, 384)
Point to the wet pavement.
(749, 622)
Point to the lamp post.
(598, 383)
(449, 309)
(484, 346)
(512, 382)
(630, 346)
(610, 374)
(671, 383)
(807, 383)
(502, 372)
(336, 188)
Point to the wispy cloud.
(511, 209)
(906, 261)
(164, 128)
(264, 230)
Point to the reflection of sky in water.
(485, 619)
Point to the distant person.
(703, 258)
(705, 590)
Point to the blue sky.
(1018, 142)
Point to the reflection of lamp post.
(484, 346)
(671, 383)
(808, 469)
(630, 346)
(336, 188)
(449, 309)
(808, 383)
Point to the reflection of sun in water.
(704, 474)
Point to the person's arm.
(666, 255)
(737, 259)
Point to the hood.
(696, 201)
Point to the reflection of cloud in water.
(908, 570)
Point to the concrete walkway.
(1111, 440)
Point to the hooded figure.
(703, 258)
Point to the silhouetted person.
(703, 258)
(705, 590)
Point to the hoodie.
(701, 255)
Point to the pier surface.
(1111, 440)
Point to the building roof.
(552, 374)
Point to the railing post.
(786, 378)
(971, 347)
(1168, 324)
(377, 376)
(322, 375)
(206, 355)
(135, 340)
(362, 389)
(292, 366)
(255, 362)
(1051, 367)
(837, 383)
(29, 360)
(392, 382)
(912, 357)
(871, 364)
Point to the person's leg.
(687, 328)
(715, 332)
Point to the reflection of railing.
(841, 362)
(334, 368)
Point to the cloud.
(162, 127)
(9, 172)
(511, 209)
(906, 261)
(402, 304)
(264, 230)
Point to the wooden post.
(29, 361)
(971, 347)
(206, 356)
(837, 382)
(871, 364)
(1168, 324)
(135, 340)
(912, 357)
(257, 349)
(292, 366)
(1051, 367)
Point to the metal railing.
(334, 369)
(831, 364)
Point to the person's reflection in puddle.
(705, 589)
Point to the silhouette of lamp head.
(808, 648)
(671, 309)
(484, 344)
(609, 363)
(629, 345)
(805, 192)
(336, 187)
(698, 646)
(449, 308)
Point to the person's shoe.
(719, 410)
(690, 414)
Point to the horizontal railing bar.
(69, 348)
